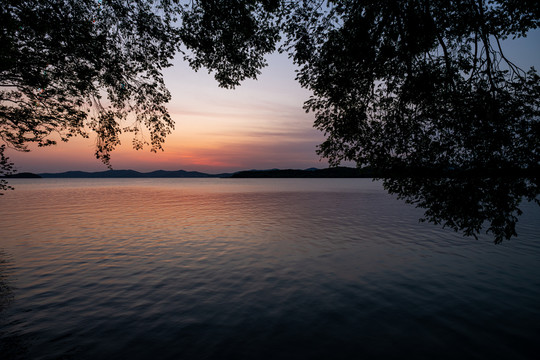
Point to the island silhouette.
(337, 172)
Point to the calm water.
(254, 269)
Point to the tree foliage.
(421, 83)
(6, 169)
(230, 38)
(71, 66)
(400, 85)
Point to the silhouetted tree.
(420, 83)
(232, 37)
(6, 168)
(69, 66)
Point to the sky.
(258, 125)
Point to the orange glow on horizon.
(259, 125)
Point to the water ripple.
(207, 269)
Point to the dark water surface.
(255, 269)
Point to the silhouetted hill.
(337, 172)
(23, 175)
(133, 174)
(346, 172)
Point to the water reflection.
(6, 293)
(255, 269)
(12, 346)
(469, 204)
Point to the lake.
(255, 269)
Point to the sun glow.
(260, 124)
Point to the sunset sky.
(259, 125)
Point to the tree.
(231, 37)
(402, 84)
(6, 169)
(70, 66)
(396, 84)
(424, 84)
(419, 86)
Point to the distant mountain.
(23, 175)
(347, 172)
(133, 174)
(336, 172)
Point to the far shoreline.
(331, 172)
